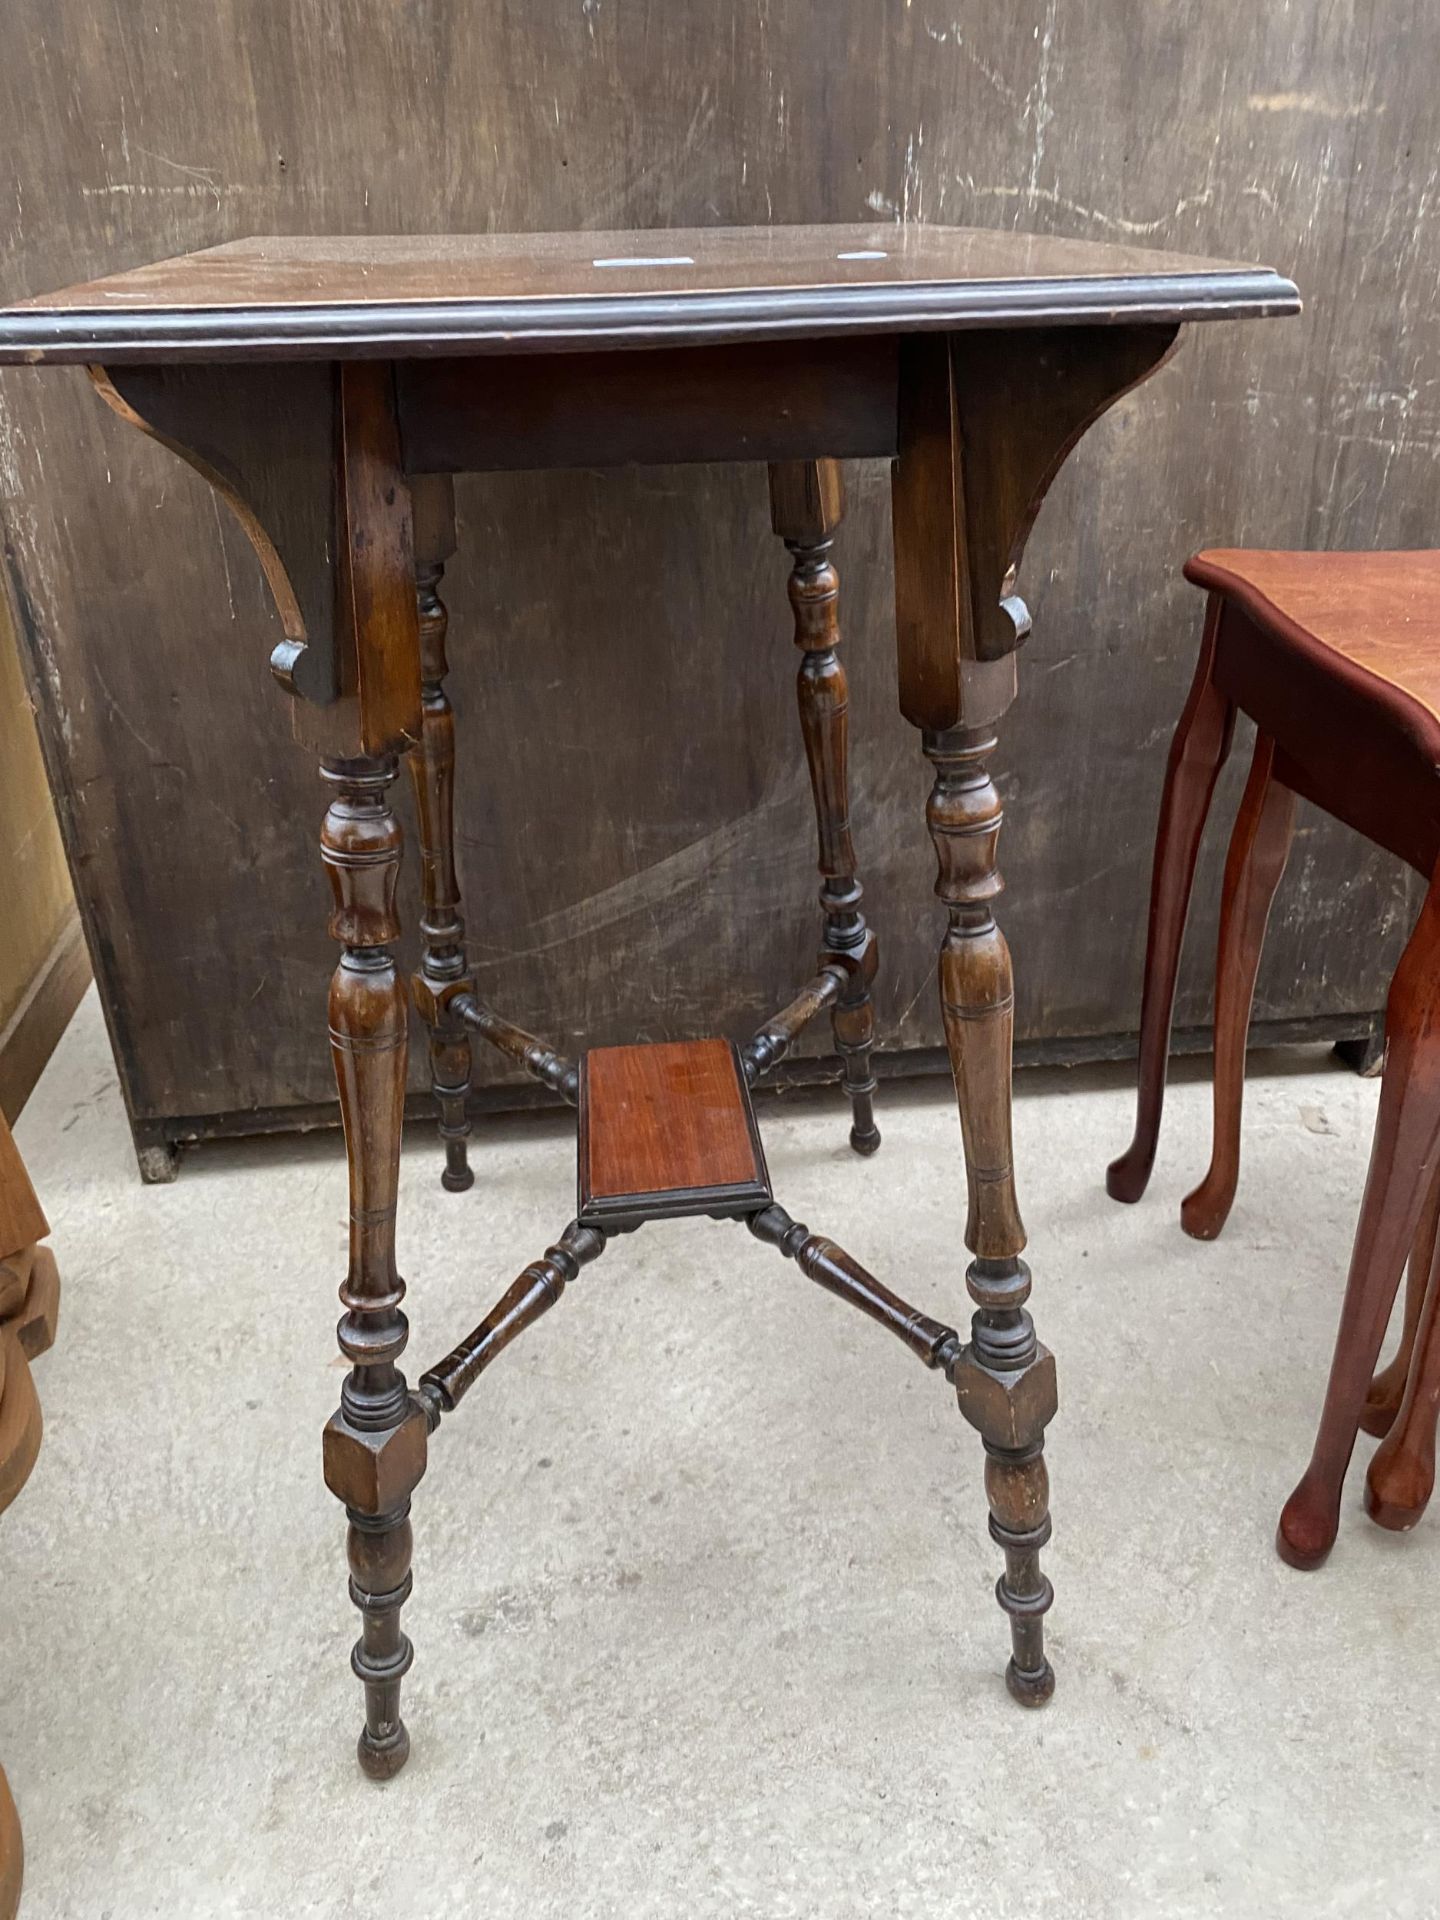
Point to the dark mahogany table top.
(395, 296)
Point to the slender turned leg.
(1259, 848)
(443, 974)
(1403, 1163)
(1402, 1471)
(375, 1444)
(1005, 1381)
(1387, 1389)
(806, 504)
(983, 423)
(1197, 753)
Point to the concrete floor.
(703, 1613)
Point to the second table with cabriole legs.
(330, 388)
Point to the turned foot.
(1398, 1502)
(1031, 1689)
(383, 1760)
(1005, 1386)
(1309, 1523)
(1018, 1490)
(379, 1549)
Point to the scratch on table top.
(1310, 103)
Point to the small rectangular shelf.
(667, 1131)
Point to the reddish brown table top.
(475, 293)
(1380, 611)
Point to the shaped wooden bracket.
(307, 456)
(986, 421)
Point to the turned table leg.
(443, 974)
(1005, 1380)
(310, 458)
(375, 1443)
(984, 422)
(807, 502)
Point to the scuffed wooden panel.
(636, 846)
(33, 882)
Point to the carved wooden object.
(328, 388)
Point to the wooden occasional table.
(331, 388)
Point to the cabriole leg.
(1004, 1380)
(1197, 753)
(806, 504)
(443, 974)
(1259, 848)
(375, 1443)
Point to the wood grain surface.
(1379, 610)
(665, 1119)
(506, 293)
(675, 893)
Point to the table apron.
(775, 400)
